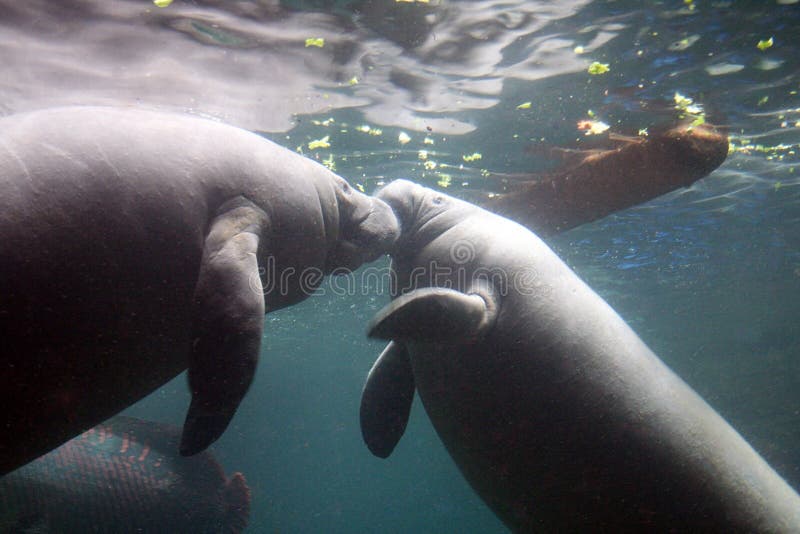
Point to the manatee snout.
(378, 231)
(366, 234)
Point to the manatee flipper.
(436, 314)
(386, 400)
(228, 322)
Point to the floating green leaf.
(765, 43)
(698, 121)
(682, 102)
(320, 143)
(598, 68)
(319, 42)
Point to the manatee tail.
(236, 497)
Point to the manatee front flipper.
(228, 322)
(436, 314)
(427, 314)
(386, 400)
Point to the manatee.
(555, 411)
(135, 244)
(124, 475)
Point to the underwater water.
(450, 94)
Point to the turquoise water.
(708, 276)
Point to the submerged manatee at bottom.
(124, 475)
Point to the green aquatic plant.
(765, 43)
(598, 68)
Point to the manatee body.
(135, 244)
(557, 414)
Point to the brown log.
(610, 180)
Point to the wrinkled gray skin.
(135, 244)
(556, 413)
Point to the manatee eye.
(345, 187)
(438, 200)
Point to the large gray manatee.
(136, 243)
(554, 410)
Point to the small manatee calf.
(135, 244)
(554, 410)
(124, 475)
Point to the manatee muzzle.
(369, 235)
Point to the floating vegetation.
(701, 119)
(471, 157)
(403, 138)
(689, 109)
(162, 3)
(765, 43)
(779, 152)
(687, 105)
(320, 143)
(524, 105)
(598, 68)
(367, 129)
(319, 42)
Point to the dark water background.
(709, 276)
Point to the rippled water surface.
(455, 94)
